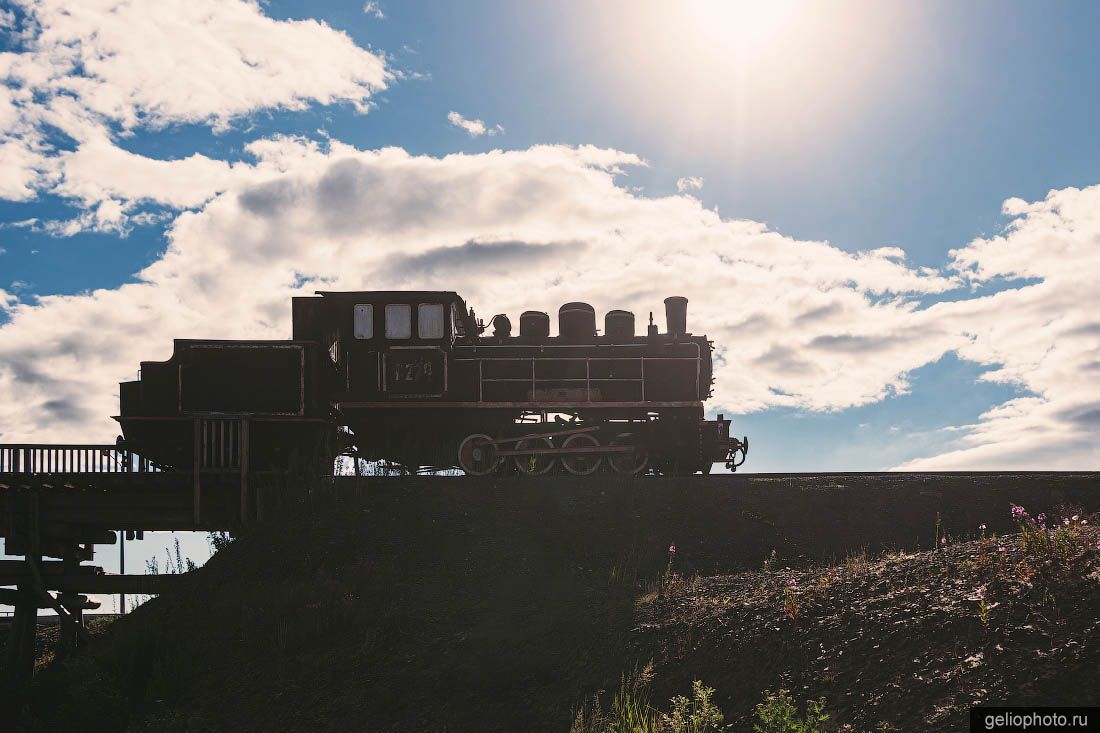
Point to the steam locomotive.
(414, 379)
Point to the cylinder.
(534, 326)
(577, 322)
(619, 326)
(676, 315)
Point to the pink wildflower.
(981, 527)
(1019, 513)
(792, 584)
(1001, 549)
(1098, 544)
(943, 540)
(981, 593)
(672, 549)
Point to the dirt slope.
(898, 640)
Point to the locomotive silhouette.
(411, 378)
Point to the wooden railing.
(219, 442)
(31, 458)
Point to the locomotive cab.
(385, 345)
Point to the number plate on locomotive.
(415, 373)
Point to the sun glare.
(734, 76)
(738, 27)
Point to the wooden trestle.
(58, 501)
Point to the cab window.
(363, 325)
(429, 321)
(398, 321)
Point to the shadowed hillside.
(508, 606)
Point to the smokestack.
(676, 313)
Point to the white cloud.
(99, 170)
(373, 8)
(194, 60)
(474, 128)
(795, 320)
(20, 172)
(797, 323)
(97, 69)
(689, 183)
(1042, 336)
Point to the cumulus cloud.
(511, 231)
(689, 183)
(474, 128)
(94, 70)
(797, 323)
(373, 8)
(1042, 336)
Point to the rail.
(30, 458)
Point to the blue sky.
(864, 125)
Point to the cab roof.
(391, 296)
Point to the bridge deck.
(118, 501)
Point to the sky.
(885, 215)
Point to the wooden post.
(122, 568)
(20, 661)
(25, 622)
(243, 456)
(197, 469)
(68, 638)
